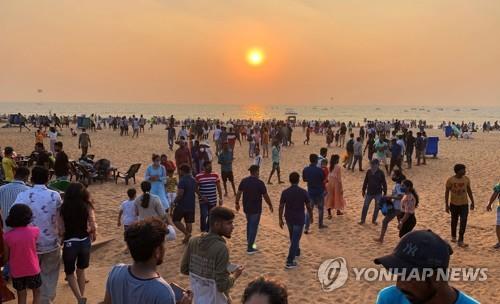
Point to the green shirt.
(275, 154)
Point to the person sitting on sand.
(206, 258)
(265, 291)
(140, 282)
(494, 196)
(424, 253)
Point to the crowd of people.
(38, 221)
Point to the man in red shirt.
(183, 155)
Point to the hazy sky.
(422, 52)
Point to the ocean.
(433, 115)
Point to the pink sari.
(335, 196)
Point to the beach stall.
(291, 116)
(83, 122)
(432, 146)
(14, 119)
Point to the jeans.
(359, 159)
(459, 211)
(204, 211)
(366, 206)
(295, 234)
(319, 201)
(253, 221)
(49, 265)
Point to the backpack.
(350, 145)
(385, 205)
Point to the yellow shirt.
(8, 165)
(458, 190)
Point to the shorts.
(76, 252)
(498, 216)
(227, 176)
(31, 282)
(276, 166)
(180, 214)
(171, 197)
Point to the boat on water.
(440, 109)
(457, 110)
(291, 112)
(474, 109)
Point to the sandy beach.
(343, 238)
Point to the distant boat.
(440, 109)
(474, 109)
(377, 109)
(291, 112)
(457, 110)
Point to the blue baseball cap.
(418, 249)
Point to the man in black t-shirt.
(292, 202)
(61, 165)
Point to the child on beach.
(171, 185)
(20, 251)
(127, 214)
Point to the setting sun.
(255, 57)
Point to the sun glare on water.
(255, 57)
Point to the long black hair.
(145, 187)
(408, 184)
(333, 161)
(76, 205)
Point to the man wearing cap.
(425, 253)
(253, 190)
(374, 186)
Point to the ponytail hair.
(145, 187)
(407, 183)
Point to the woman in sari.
(335, 191)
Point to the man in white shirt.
(45, 205)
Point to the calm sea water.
(433, 115)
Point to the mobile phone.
(178, 291)
(232, 267)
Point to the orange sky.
(424, 52)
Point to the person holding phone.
(206, 260)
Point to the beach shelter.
(83, 122)
(14, 119)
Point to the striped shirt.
(207, 183)
(8, 195)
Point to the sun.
(255, 57)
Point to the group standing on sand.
(167, 202)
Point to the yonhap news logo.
(334, 273)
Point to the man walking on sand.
(314, 177)
(374, 186)
(293, 202)
(84, 142)
(456, 203)
(253, 190)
